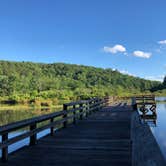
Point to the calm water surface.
(160, 130)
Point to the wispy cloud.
(115, 49)
(162, 46)
(142, 54)
(162, 42)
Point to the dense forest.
(27, 81)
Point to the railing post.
(52, 128)
(4, 150)
(134, 104)
(90, 103)
(65, 116)
(87, 109)
(81, 111)
(33, 138)
(98, 104)
(106, 101)
(74, 113)
(101, 104)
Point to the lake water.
(160, 130)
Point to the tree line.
(27, 81)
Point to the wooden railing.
(70, 114)
(143, 100)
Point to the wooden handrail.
(143, 100)
(23, 123)
(79, 110)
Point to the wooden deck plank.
(103, 139)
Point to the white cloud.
(142, 54)
(115, 49)
(155, 78)
(162, 42)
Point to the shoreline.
(26, 107)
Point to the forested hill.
(26, 80)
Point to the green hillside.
(24, 81)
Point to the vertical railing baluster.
(65, 116)
(86, 109)
(81, 111)
(4, 150)
(52, 127)
(98, 104)
(33, 138)
(90, 106)
(95, 105)
(74, 114)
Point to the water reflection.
(156, 120)
(9, 116)
(148, 114)
(160, 130)
(150, 119)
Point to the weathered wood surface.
(103, 139)
(77, 109)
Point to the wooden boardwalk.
(102, 139)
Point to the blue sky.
(128, 35)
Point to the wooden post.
(106, 101)
(52, 128)
(95, 103)
(4, 150)
(98, 104)
(81, 111)
(64, 116)
(33, 138)
(90, 107)
(134, 104)
(74, 113)
(87, 109)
